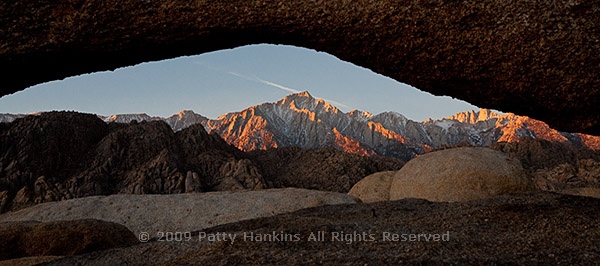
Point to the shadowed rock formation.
(61, 238)
(534, 58)
(63, 155)
(555, 166)
(322, 169)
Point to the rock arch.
(536, 58)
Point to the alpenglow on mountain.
(304, 121)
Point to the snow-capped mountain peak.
(473, 117)
(8, 118)
(360, 115)
(305, 100)
(128, 118)
(185, 118)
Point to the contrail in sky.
(276, 85)
(281, 87)
(269, 83)
(337, 103)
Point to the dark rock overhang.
(534, 58)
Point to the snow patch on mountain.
(128, 118)
(9, 118)
(359, 115)
(445, 124)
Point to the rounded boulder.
(460, 174)
(374, 187)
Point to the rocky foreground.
(535, 228)
(179, 212)
(268, 226)
(500, 212)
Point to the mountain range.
(63, 155)
(306, 122)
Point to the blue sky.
(230, 80)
